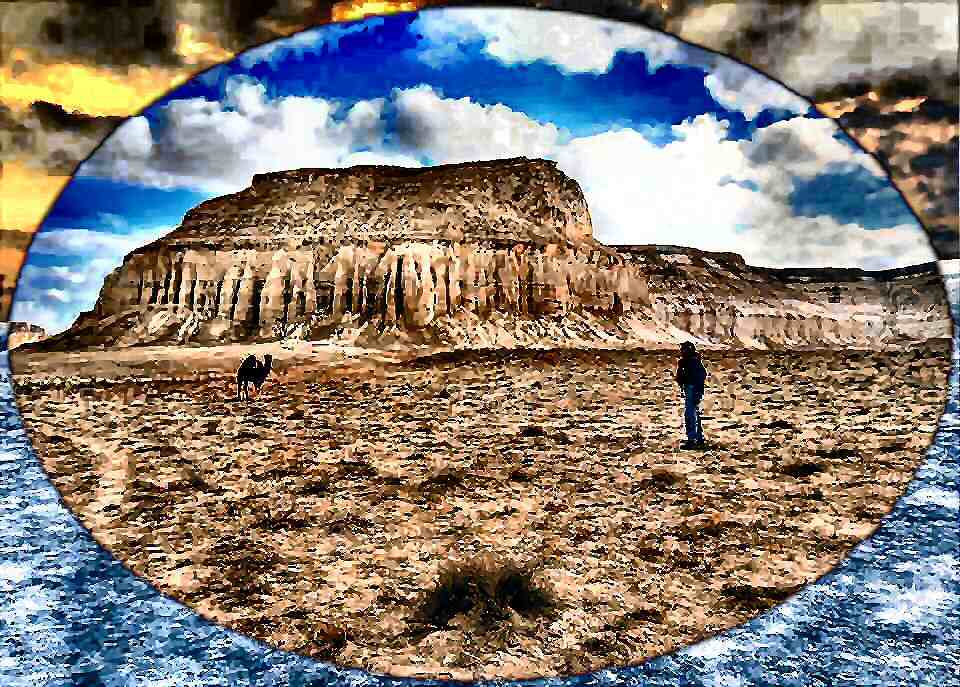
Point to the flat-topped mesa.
(397, 245)
(513, 201)
(497, 253)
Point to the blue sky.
(671, 144)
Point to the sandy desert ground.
(487, 514)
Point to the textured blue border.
(72, 615)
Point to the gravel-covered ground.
(321, 516)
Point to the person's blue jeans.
(691, 412)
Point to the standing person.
(691, 376)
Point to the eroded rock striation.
(497, 253)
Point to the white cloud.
(582, 44)
(44, 291)
(712, 24)
(218, 147)
(448, 130)
(700, 190)
(246, 96)
(65, 273)
(693, 199)
(805, 145)
(89, 243)
(823, 241)
(58, 295)
(801, 148)
(641, 193)
(133, 139)
(572, 42)
(739, 88)
(51, 318)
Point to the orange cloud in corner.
(358, 9)
(197, 48)
(90, 90)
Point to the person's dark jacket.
(690, 370)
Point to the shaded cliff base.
(323, 516)
(179, 328)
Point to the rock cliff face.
(496, 253)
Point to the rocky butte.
(481, 254)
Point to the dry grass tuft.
(486, 592)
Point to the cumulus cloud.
(64, 273)
(53, 319)
(642, 193)
(90, 243)
(52, 295)
(448, 131)
(801, 148)
(819, 241)
(700, 190)
(58, 295)
(573, 43)
(219, 146)
(857, 39)
(582, 44)
(739, 88)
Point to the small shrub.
(486, 591)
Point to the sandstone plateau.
(476, 255)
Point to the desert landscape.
(491, 514)
(465, 461)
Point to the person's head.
(687, 348)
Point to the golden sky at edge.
(26, 194)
